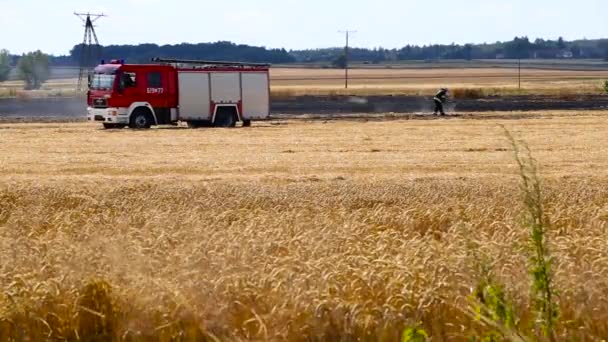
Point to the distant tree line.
(5, 64)
(520, 47)
(224, 51)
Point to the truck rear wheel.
(113, 126)
(199, 124)
(141, 119)
(246, 123)
(225, 117)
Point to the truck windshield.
(102, 81)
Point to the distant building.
(564, 54)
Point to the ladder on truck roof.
(207, 64)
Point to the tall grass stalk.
(538, 223)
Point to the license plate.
(99, 118)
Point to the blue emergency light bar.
(113, 61)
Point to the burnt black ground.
(62, 109)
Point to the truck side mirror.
(89, 80)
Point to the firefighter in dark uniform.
(439, 100)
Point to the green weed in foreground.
(489, 301)
(538, 224)
(414, 334)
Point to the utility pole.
(89, 50)
(347, 32)
(519, 73)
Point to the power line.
(89, 51)
(347, 32)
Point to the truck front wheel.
(141, 119)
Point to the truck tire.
(225, 118)
(141, 119)
(113, 126)
(246, 123)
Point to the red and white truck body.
(199, 93)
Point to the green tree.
(33, 69)
(468, 52)
(518, 48)
(5, 67)
(340, 62)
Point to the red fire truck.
(168, 91)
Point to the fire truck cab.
(200, 93)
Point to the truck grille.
(100, 103)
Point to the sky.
(49, 25)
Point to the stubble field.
(425, 81)
(293, 230)
(415, 79)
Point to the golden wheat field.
(294, 230)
